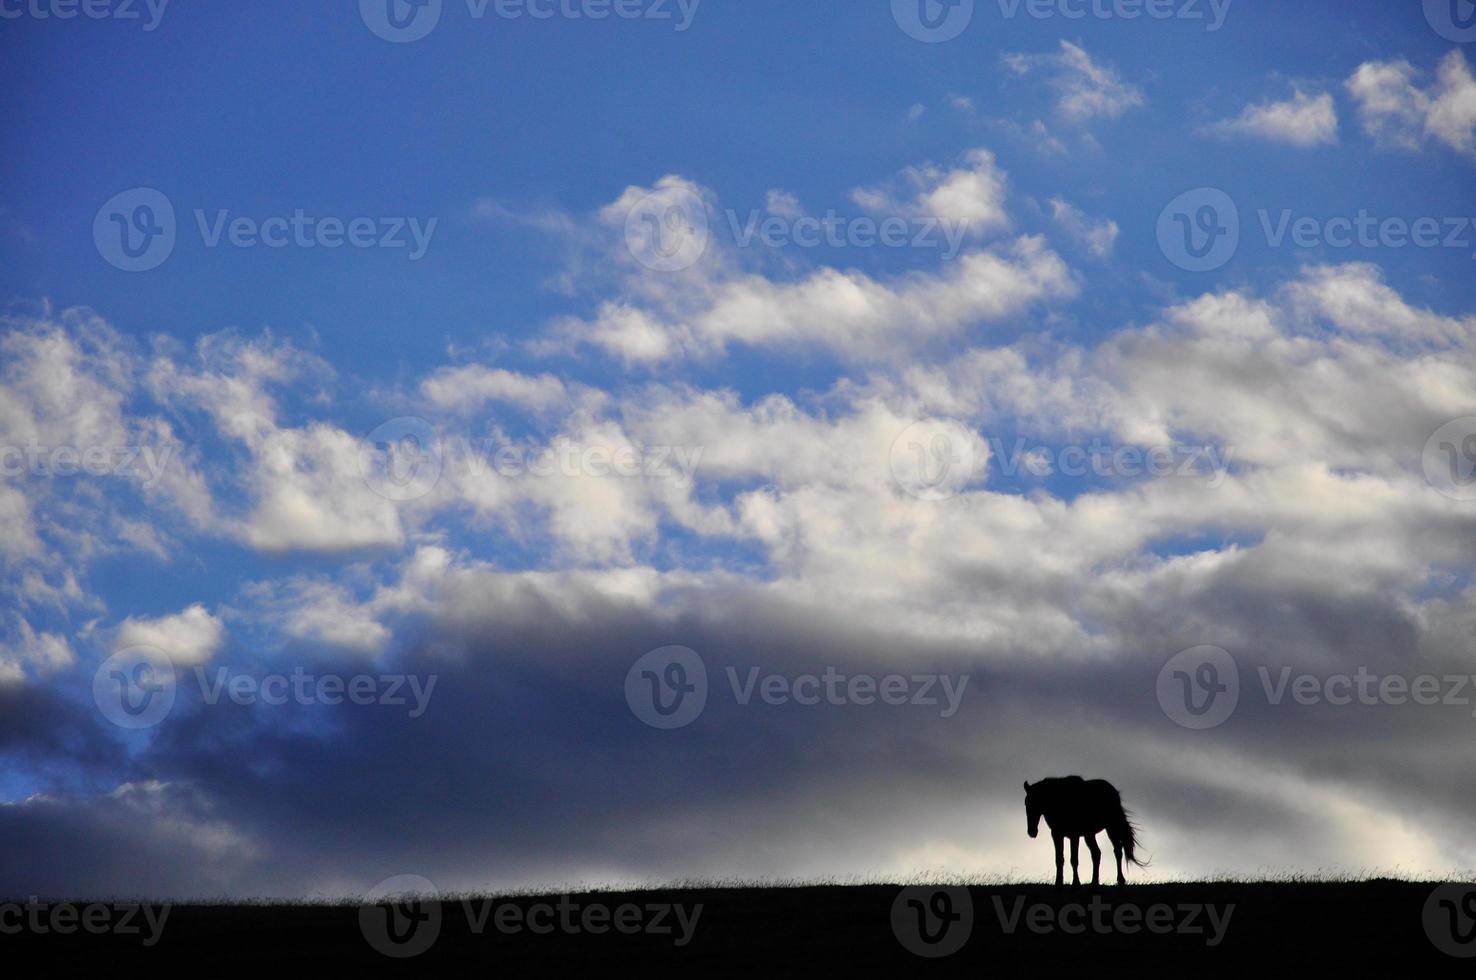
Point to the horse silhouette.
(1076, 808)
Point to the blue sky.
(1307, 382)
(275, 107)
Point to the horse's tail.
(1123, 831)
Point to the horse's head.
(1032, 809)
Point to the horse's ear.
(1027, 785)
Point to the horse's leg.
(1117, 853)
(1075, 849)
(1060, 858)
(1096, 859)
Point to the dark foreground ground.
(1379, 928)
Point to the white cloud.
(86, 472)
(468, 388)
(702, 311)
(1084, 89)
(1320, 541)
(783, 204)
(1097, 235)
(188, 638)
(848, 313)
(970, 197)
(306, 484)
(40, 653)
(1304, 121)
(1395, 109)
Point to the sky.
(546, 441)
